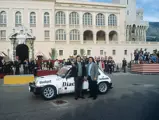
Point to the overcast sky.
(151, 8)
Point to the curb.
(16, 85)
(140, 73)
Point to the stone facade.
(68, 26)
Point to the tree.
(53, 53)
(82, 52)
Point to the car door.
(68, 84)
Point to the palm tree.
(53, 53)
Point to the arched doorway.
(113, 36)
(88, 35)
(22, 52)
(101, 35)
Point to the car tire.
(103, 87)
(49, 92)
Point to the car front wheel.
(49, 92)
(102, 87)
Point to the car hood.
(48, 77)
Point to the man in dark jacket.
(50, 65)
(124, 65)
(109, 62)
(78, 72)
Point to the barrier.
(145, 68)
(46, 72)
(1, 76)
(18, 79)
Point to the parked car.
(62, 83)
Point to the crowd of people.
(31, 67)
(142, 56)
(107, 65)
(17, 67)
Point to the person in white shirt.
(56, 64)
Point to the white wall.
(68, 46)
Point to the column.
(30, 52)
(14, 51)
(106, 20)
(144, 33)
(33, 50)
(130, 33)
(141, 34)
(67, 28)
(127, 34)
(107, 37)
(81, 38)
(81, 27)
(94, 28)
(137, 34)
(94, 20)
(94, 37)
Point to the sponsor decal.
(44, 82)
(68, 84)
(103, 78)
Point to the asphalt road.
(134, 97)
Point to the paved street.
(134, 97)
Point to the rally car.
(52, 85)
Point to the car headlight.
(36, 80)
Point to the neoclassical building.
(33, 27)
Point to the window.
(125, 52)
(75, 52)
(88, 52)
(87, 19)
(60, 18)
(100, 20)
(3, 17)
(114, 52)
(127, 2)
(101, 52)
(3, 35)
(47, 34)
(74, 18)
(60, 34)
(32, 19)
(112, 20)
(18, 19)
(60, 52)
(46, 19)
(74, 35)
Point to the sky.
(151, 8)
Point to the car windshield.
(63, 71)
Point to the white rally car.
(52, 85)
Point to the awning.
(39, 54)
